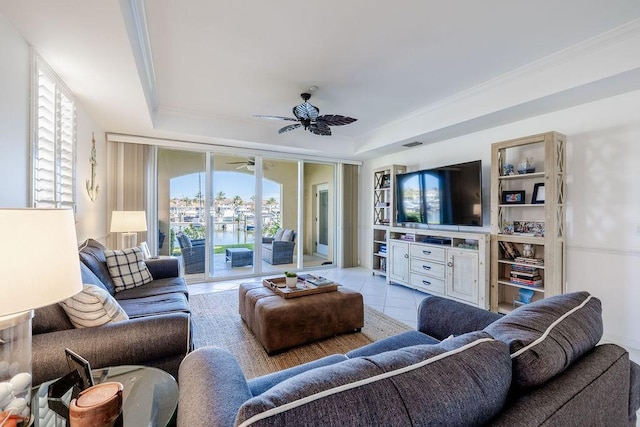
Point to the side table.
(150, 397)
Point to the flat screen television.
(447, 195)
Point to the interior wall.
(15, 164)
(603, 207)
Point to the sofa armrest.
(132, 342)
(267, 239)
(442, 317)
(197, 242)
(212, 388)
(163, 268)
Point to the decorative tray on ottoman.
(304, 287)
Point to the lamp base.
(15, 365)
(129, 240)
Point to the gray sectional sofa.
(539, 365)
(158, 332)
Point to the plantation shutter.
(54, 141)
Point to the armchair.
(192, 254)
(279, 249)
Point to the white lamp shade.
(39, 262)
(127, 221)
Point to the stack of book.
(530, 261)
(383, 249)
(525, 275)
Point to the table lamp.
(39, 267)
(128, 223)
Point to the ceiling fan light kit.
(308, 116)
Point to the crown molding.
(135, 20)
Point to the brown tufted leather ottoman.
(280, 323)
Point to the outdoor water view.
(184, 213)
(233, 218)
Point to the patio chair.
(279, 248)
(192, 254)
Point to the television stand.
(449, 264)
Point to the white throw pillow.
(93, 306)
(127, 268)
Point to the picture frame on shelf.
(386, 181)
(513, 197)
(529, 228)
(538, 194)
(507, 227)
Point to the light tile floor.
(395, 301)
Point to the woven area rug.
(216, 322)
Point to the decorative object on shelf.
(525, 295)
(513, 197)
(507, 227)
(509, 250)
(528, 251)
(128, 223)
(24, 288)
(386, 181)
(529, 228)
(538, 194)
(92, 187)
(508, 169)
(526, 166)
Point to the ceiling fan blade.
(320, 128)
(289, 128)
(243, 166)
(236, 163)
(306, 111)
(336, 119)
(291, 119)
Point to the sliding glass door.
(221, 213)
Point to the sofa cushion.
(287, 235)
(463, 381)
(547, 336)
(157, 287)
(154, 305)
(91, 254)
(394, 342)
(93, 306)
(127, 268)
(278, 235)
(50, 319)
(184, 240)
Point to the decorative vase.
(528, 251)
(292, 282)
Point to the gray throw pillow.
(547, 336)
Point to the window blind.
(54, 141)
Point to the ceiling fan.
(308, 117)
(250, 164)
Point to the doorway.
(322, 220)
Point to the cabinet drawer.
(428, 283)
(428, 252)
(430, 268)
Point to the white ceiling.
(198, 70)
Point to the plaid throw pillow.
(127, 268)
